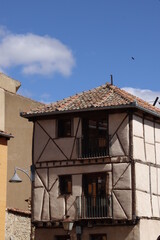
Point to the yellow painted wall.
(3, 185)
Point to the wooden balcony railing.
(92, 147)
(94, 207)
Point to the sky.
(57, 48)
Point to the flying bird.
(132, 58)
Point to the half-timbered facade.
(97, 160)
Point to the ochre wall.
(3, 185)
(2, 109)
(19, 148)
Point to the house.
(19, 147)
(97, 160)
(4, 137)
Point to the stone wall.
(18, 225)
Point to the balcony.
(94, 207)
(92, 147)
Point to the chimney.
(111, 79)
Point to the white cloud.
(45, 98)
(145, 94)
(34, 54)
(24, 92)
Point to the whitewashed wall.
(146, 151)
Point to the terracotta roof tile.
(106, 95)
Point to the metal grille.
(94, 207)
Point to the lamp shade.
(67, 224)
(15, 178)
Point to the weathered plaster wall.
(47, 147)
(18, 227)
(49, 205)
(149, 229)
(113, 233)
(122, 191)
(118, 134)
(47, 202)
(3, 184)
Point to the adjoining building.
(97, 163)
(4, 137)
(19, 147)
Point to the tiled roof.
(5, 135)
(104, 96)
(19, 212)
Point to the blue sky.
(57, 48)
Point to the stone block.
(157, 132)
(143, 206)
(149, 131)
(155, 206)
(154, 180)
(157, 153)
(158, 169)
(138, 148)
(150, 153)
(142, 177)
(137, 126)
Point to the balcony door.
(95, 199)
(94, 142)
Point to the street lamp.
(67, 224)
(17, 179)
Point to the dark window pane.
(65, 184)
(64, 127)
(98, 237)
(67, 237)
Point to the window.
(66, 237)
(64, 128)
(65, 184)
(98, 237)
(94, 141)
